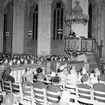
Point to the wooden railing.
(83, 45)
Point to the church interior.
(52, 52)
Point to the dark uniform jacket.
(53, 95)
(101, 88)
(38, 93)
(84, 86)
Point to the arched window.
(5, 30)
(58, 21)
(90, 21)
(35, 24)
(8, 28)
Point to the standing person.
(72, 34)
(6, 75)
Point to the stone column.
(94, 20)
(102, 26)
(1, 30)
(44, 27)
(98, 22)
(18, 26)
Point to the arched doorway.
(8, 28)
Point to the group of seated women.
(82, 79)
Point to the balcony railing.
(78, 44)
(83, 45)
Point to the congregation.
(57, 86)
(52, 52)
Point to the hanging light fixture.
(77, 15)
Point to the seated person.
(84, 82)
(28, 80)
(24, 75)
(8, 100)
(93, 78)
(38, 71)
(87, 65)
(6, 75)
(82, 72)
(40, 82)
(53, 74)
(84, 85)
(72, 77)
(65, 98)
(22, 61)
(28, 76)
(54, 91)
(63, 73)
(97, 72)
(6, 61)
(92, 74)
(38, 86)
(100, 86)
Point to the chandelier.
(77, 16)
